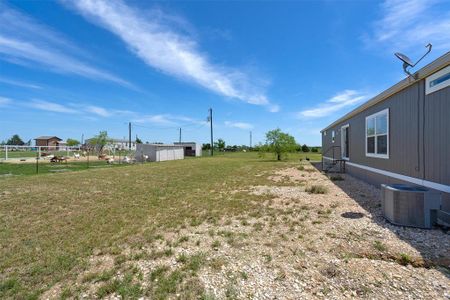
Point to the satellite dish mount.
(407, 63)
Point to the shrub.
(316, 189)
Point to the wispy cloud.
(26, 42)
(155, 119)
(5, 101)
(168, 120)
(51, 106)
(163, 46)
(19, 83)
(97, 110)
(341, 100)
(410, 25)
(240, 125)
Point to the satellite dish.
(405, 59)
(408, 63)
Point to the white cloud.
(165, 48)
(339, 101)
(19, 83)
(26, 42)
(410, 25)
(240, 125)
(5, 101)
(168, 120)
(100, 111)
(274, 108)
(155, 119)
(51, 106)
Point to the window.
(377, 134)
(437, 81)
(333, 136)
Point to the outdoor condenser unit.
(410, 205)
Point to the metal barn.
(158, 152)
(191, 148)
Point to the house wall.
(44, 143)
(419, 138)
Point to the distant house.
(49, 141)
(117, 144)
(123, 144)
(191, 148)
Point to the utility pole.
(211, 124)
(180, 136)
(250, 139)
(129, 136)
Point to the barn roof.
(47, 137)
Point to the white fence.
(24, 153)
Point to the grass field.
(18, 169)
(52, 223)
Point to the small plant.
(316, 189)
(379, 246)
(404, 259)
(336, 178)
(301, 168)
(183, 239)
(244, 275)
(268, 257)
(182, 258)
(215, 244)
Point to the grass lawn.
(51, 224)
(7, 169)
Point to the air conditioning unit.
(407, 205)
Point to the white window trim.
(333, 136)
(342, 143)
(385, 156)
(429, 79)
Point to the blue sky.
(69, 68)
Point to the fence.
(22, 160)
(13, 153)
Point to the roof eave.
(427, 70)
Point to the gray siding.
(404, 134)
(437, 136)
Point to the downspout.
(423, 131)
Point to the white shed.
(158, 152)
(191, 148)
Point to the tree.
(15, 140)
(138, 140)
(220, 144)
(72, 142)
(100, 141)
(305, 148)
(279, 142)
(206, 147)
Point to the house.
(117, 144)
(190, 148)
(401, 135)
(122, 144)
(52, 142)
(158, 152)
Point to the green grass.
(51, 224)
(316, 189)
(19, 169)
